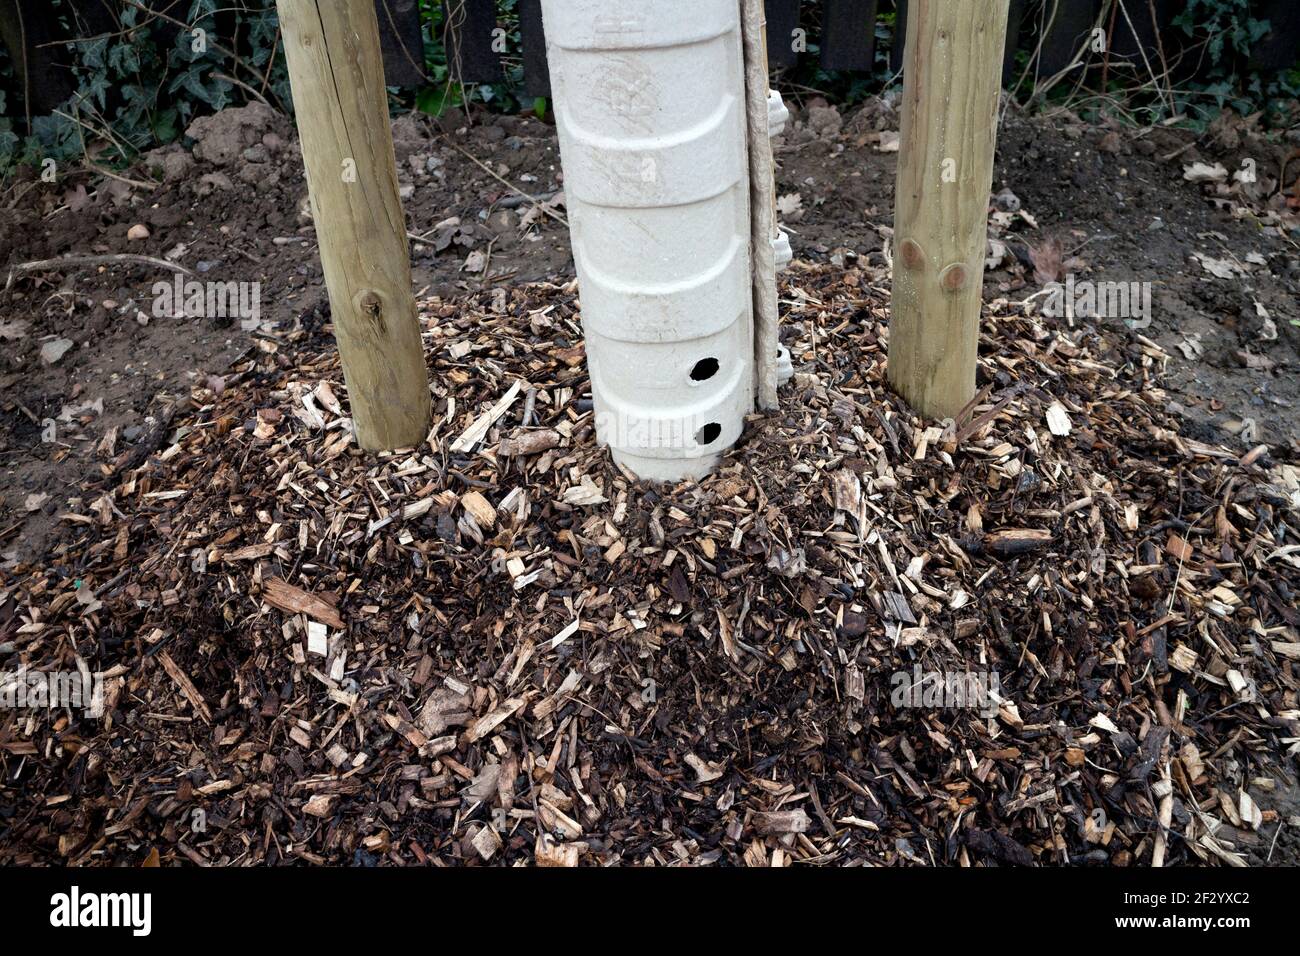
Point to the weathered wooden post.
(951, 73)
(337, 77)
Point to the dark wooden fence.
(842, 32)
(846, 32)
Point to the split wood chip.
(1011, 542)
(478, 507)
(186, 685)
(782, 821)
(478, 430)
(281, 594)
(490, 721)
(1058, 420)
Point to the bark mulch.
(497, 647)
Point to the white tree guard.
(650, 109)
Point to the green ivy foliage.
(444, 92)
(1230, 31)
(140, 85)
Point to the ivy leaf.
(1216, 48)
(164, 126)
(56, 134)
(96, 88)
(124, 58)
(202, 8)
(8, 143)
(92, 54)
(436, 100)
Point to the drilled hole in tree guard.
(708, 434)
(704, 369)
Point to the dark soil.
(1123, 213)
(603, 673)
(769, 734)
(239, 213)
(238, 221)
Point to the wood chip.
(279, 593)
(186, 685)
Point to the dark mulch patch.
(351, 660)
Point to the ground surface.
(235, 211)
(726, 695)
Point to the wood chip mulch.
(497, 647)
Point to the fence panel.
(532, 37)
(782, 22)
(401, 41)
(849, 35)
(474, 40)
(470, 34)
(1067, 31)
(1276, 50)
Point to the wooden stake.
(762, 204)
(337, 76)
(951, 73)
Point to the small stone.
(210, 181)
(54, 350)
(1007, 201)
(138, 232)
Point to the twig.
(242, 85)
(270, 60)
(401, 41)
(27, 66)
(105, 133)
(138, 184)
(511, 186)
(1163, 94)
(1280, 825)
(39, 264)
